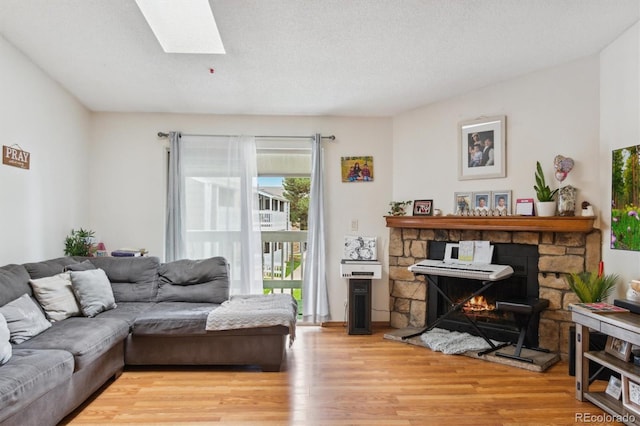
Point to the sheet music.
(483, 252)
(467, 252)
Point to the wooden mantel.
(490, 223)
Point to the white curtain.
(174, 233)
(315, 305)
(219, 213)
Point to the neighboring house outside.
(274, 216)
(274, 209)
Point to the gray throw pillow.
(56, 296)
(5, 345)
(24, 318)
(93, 291)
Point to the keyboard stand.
(456, 307)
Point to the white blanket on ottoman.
(256, 310)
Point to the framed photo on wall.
(625, 226)
(461, 202)
(501, 202)
(423, 208)
(357, 169)
(482, 148)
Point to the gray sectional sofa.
(156, 316)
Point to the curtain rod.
(332, 137)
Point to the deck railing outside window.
(282, 260)
(283, 264)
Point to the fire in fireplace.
(498, 325)
(477, 305)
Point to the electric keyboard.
(488, 272)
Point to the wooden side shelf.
(624, 326)
(495, 223)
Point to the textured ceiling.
(308, 57)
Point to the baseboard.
(374, 324)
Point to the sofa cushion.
(5, 344)
(127, 311)
(178, 318)
(56, 296)
(133, 279)
(205, 280)
(14, 282)
(85, 265)
(93, 291)
(29, 375)
(86, 338)
(24, 318)
(50, 267)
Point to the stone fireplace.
(564, 245)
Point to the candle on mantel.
(600, 268)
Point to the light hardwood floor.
(333, 378)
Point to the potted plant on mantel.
(398, 208)
(79, 243)
(546, 205)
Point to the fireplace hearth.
(497, 325)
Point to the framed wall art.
(625, 199)
(482, 148)
(423, 208)
(357, 169)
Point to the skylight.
(183, 26)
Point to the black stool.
(524, 312)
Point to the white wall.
(128, 181)
(554, 111)
(106, 171)
(619, 128)
(40, 206)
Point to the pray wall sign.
(16, 157)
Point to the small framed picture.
(461, 202)
(422, 208)
(618, 348)
(501, 201)
(482, 201)
(614, 388)
(631, 395)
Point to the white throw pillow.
(24, 318)
(93, 291)
(5, 345)
(56, 297)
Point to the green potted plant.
(546, 205)
(591, 287)
(398, 207)
(79, 243)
